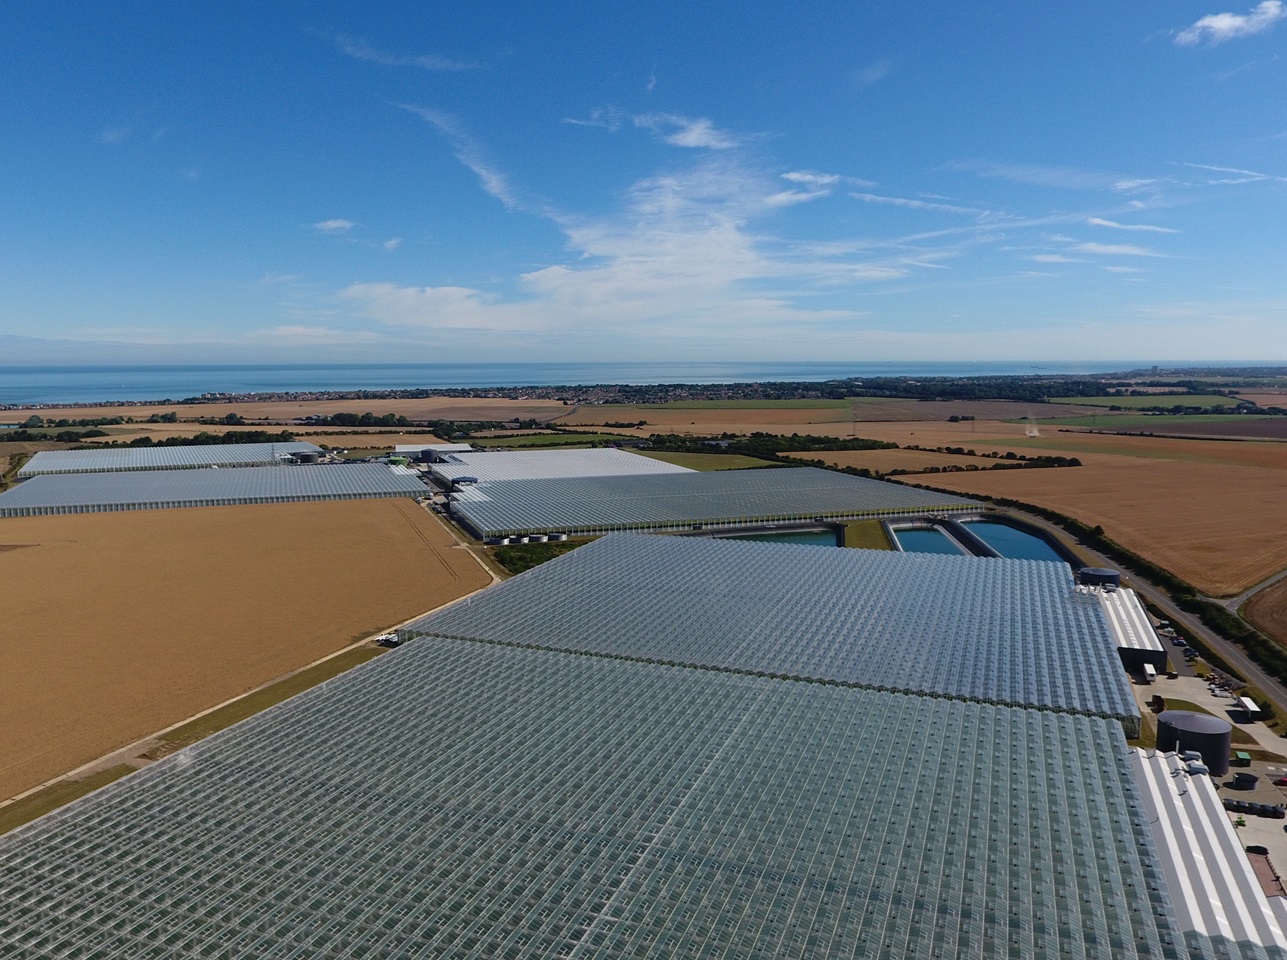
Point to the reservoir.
(926, 540)
(1011, 542)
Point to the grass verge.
(524, 556)
(866, 535)
(56, 795)
(253, 703)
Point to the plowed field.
(117, 625)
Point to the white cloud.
(1116, 249)
(470, 154)
(687, 131)
(314, 335)
(1143, 227)
(1236, 175)
(1219, 27)
(392, 244)
(1111, 269)
(359, 49)
(789, 198)
(1053, 258)
(338, 225)
(812, 178)
(916, 204)
(874, 73)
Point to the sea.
(103, 384)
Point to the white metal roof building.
(112, 459)
(436, 448)
(160, 489)
(992, 630)
(472, 800)
(492, 465)
(1219, 904)
(1137, 641)
(678, 501)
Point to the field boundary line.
(132, 750)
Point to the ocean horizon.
(102, 384)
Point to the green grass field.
(548, 440)
(1153, 400)
(740, 405)
(706, 461)
(1160, 421)
(866, 535)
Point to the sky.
(464, 182)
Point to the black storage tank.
(1099, 577)
(1180, 730)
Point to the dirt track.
(116, 625)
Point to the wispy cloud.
(789, 198)
(874, 72)
(1233, 175)
(1141, 227)
(469, 153)
(1219, 27)
(1117, 269)
(392, 244)
(1117, 249)
(1053, 258)
(812, 178)
(917, 204)
(338, 225)
(679, 131)
(360, 49)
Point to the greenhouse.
(161, 489)
(594, 505)
(472, 800)
(486, 466)
(163, 458)
(993, 630)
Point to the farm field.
(1219, 526)
(882, 461)
(1268, 611)
(1152, 400)
(1249, 427)
(817, 417)
(427, 408)
(118, 625)
(706, 461)
(1265, 398)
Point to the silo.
(1180, 730)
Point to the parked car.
(1280, 781)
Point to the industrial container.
(1210, 736)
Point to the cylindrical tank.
(1099, 577)
(1180, 730)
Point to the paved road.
(1184, 623)
(1233, 603)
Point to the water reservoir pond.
(927, 540)
(817, 538)
(1011, 542)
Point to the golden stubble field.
(118, 625)
(427, 408)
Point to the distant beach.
(98, 384)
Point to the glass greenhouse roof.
(492, 465)
(156, 489)
(1000, 631)
(472, 800)
(675, 501)
(162, 458)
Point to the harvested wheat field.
(424, 408)
(1268, 611)
(882, 461)
(118, 625)
(1220, 527)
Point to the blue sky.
(427, 182)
